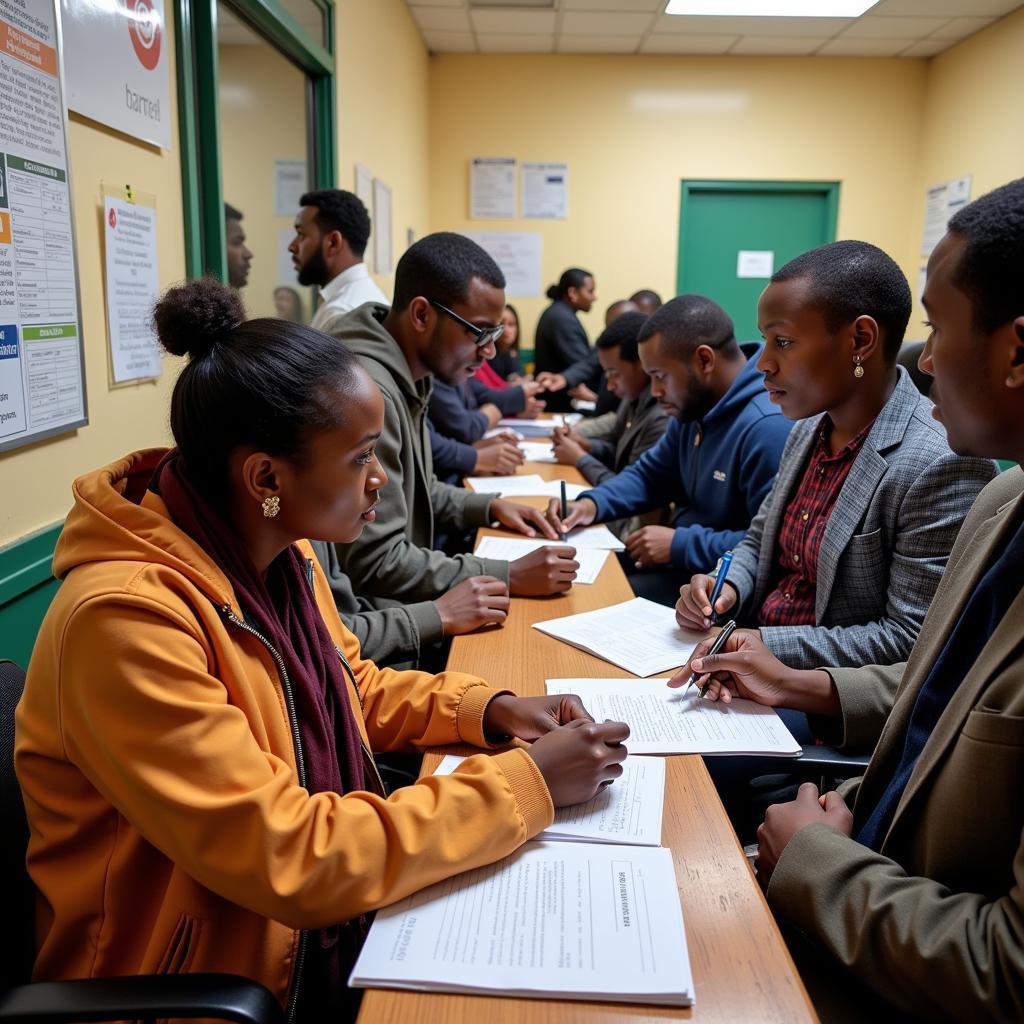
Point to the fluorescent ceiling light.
(773, 8)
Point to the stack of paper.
(591, 560)
(628, 811)
(529, 428)
(575, 920)
(537, 451)
(518, 486)
(640, 636)
(677, 721)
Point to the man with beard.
(446, 317)
(716, 461)
(331, 232)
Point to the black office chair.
(146, 997)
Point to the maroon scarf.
(282, 609)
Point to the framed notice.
(42, 375)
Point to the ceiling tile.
(449, 42)
(687, 44)
(598, 44)
(820, 28)
(948, 8)
(580, 23)
(438, 3)
(440, 19)
(878, 27)
(511, 42)
(522, 22)
(926, 48)
(961, 28)
(613, 5)
(775, 46)
(862, 47)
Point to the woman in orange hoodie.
(194, 740)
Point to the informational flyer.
(941, 202)
(290, 183)
(381, 227)
(132, 288)
(545, 191)
(518, 253)
(492, 188)
(42, 389)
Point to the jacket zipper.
(367, 755)
(300, 767)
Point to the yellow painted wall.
(631, 128)
(36, 481)
(383, 112)
(262, 119)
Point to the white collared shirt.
(349, 289)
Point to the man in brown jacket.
(910, 882)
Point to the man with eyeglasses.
(446, 317)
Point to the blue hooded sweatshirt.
(717, 471)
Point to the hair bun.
(553, 292)
(191, 318)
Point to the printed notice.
(518, 253)
(41, 380)
(132, 289)
(546, 191)
(492, 188)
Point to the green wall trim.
(27, 563)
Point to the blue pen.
(723, 571)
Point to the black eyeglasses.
(484, 335)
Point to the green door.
(734, 234)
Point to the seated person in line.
(448, 302)
(499, 455)
(194, 739)
(566, 366)
(843, 557)
(637, 426)
(646, 300)
(716, 460)
(506, 364)
(469, 409)
(902, 892)
(607, 405)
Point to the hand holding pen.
(704, 601)
(716, 648)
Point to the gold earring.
(271, 506)
(858, 370)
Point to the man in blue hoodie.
(716, 461)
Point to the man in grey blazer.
(911, 880)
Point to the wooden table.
(741, 968)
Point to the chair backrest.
(19, 893)
(907, 358)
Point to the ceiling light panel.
(773, 8)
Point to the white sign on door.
(755, 263)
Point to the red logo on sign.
(113, 218)
(145, 31)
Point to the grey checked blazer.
(886, 542)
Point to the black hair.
(688, 321)
(849, 279)
(515, 312)
(232, 213)
(989, 271)
(440, 267)
(571, 278)
(646, 297)
(267, 383)
(622, 333)
(337, 210)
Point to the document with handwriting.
(665, 721)
(576, 920)
(639, 635)
(628, 811)
(591, 560)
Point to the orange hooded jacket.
(169, 831)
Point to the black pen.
(715, 648)
(565, 509)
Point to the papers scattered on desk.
(664, 721)
(520, 486)
(576, 920)
(503, 432)
(529, 428)
(628, 811)
(640, 636)
(537, 451)
(591, 560)
(594, 537)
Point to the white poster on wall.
(132, 288)
(518, 253)
(492, 188)
(289, 185)
(941, 202)
(364, 185)
(381, 227)
(116, 60)
(545, 190)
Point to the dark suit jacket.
(934, 922)
(561, 346)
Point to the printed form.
(578, 920)
(591, 560)
(677, 721)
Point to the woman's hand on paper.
(693, 609)
(579, 758)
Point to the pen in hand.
(723, 571)
(565, 510)
(716, 647)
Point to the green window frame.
(198, 117)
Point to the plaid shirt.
(791, 600)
